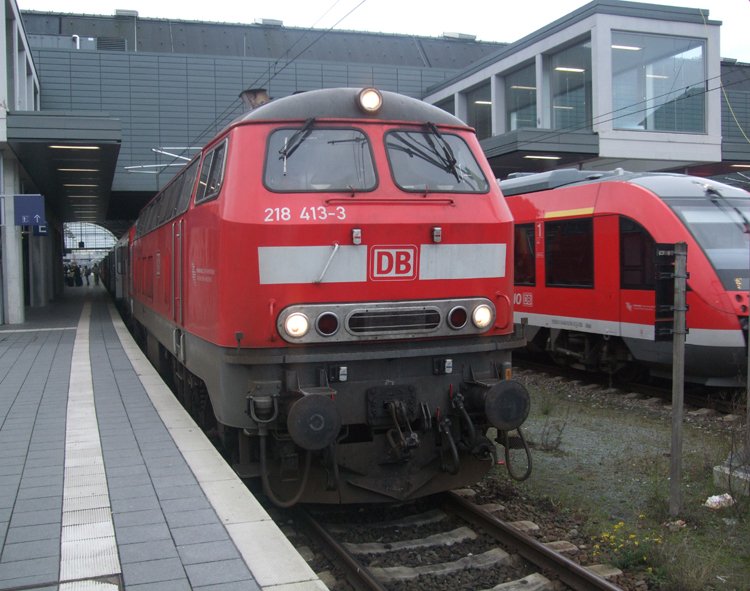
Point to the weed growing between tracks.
(610, 462)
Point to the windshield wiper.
(716, 198)
(447, 156)
(428, 153)
(294, 142)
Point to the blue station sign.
(29, 210)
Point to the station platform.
(106, 483)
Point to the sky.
(489, 20)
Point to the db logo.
(393, 263)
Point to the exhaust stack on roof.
(253, 98)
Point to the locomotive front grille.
(392, 321)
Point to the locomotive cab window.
(637, 249)
(569, 253)
(433, 161)
(311, 159)
(523, 270)
(212, 174)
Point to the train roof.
(664, 184)
(341, 103)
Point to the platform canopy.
(70, 158)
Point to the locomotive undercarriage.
(371, 429)
(400, 432)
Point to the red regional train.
(328, 286)
(585, 269)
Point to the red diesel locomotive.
(585, 270)
(328, 285)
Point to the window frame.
(529, 230)
(645, 263)
(205, 196)
(421, 189)
(315, 128)
(550, 264)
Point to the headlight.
(296, 325)
(482, 316)
(370, 100)
(457, 317)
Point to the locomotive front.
(366, 338)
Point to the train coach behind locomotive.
(585, 269)
(329, 284)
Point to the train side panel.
(619, 222)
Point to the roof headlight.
(482, 316)
(370, 100)
(296, 325)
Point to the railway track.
(723, 401)
(449, 544)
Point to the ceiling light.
(482, 102)
(521, 87)
(740, 165)
(657, 76)
(563, 107)
(81, 196)
(73, 185)
(78, 169)
(531, 157)
(627, 47)
(61, 147)
(566, 69)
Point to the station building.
(100, 111)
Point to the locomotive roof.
(341, 103)
(664, 184)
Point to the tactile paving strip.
(88, 547)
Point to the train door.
(637, 280)
(177, 270)
(606, 300)
(178, 232)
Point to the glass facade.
(86, 243)
(520, 98)
(570, 81)
(658, 82)
(479, 110)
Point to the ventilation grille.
(393, 321)
(111, 44)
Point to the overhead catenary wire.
(230, 111)
(271, 72)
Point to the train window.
(435, 162)
(717, 221)
(636, 256)
(212, 174)
(186, 189)
(313, 159)
(171, 202)
(524, 255)
(569, 253)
